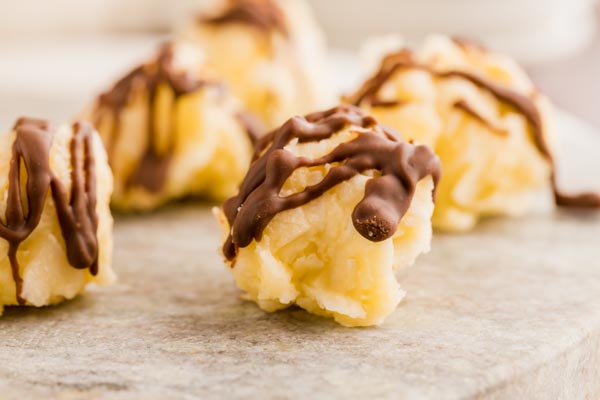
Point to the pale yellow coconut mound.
(178, 129)
(492, 162)
(270, 52)
(312, 256)
(48, 277)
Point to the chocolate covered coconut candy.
(485, 119)
(332, 205)
(172, 131)
(271, 53)
(55, 221)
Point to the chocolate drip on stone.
(387, 196)
(77, 214)
(395, 62)
(262, 14)
(152, 169)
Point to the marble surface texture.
(510, 310)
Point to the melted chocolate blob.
(368, 94)
(152, 169)
(264, 15)
(387, 196)
(76, 210)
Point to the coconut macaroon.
(271, 53)
(485, 119)
(55, 221)
(171, 131)
(331, 206)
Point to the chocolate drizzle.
(386, 103)
(387, 196)
(254, 127)
(368, 94)
(152, 169)
(264, 15)
(76, 211)
(392, 63)
(468, 109)
(468, 43)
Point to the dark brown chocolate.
(76, 210)
(264, 15)
(386, 103)
(468, 109)
(387, 196)
(368, 92)
(367, 95)
(255, 129)
(152, 169)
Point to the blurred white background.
(531, 30)
(524, 28)
(55, 53)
